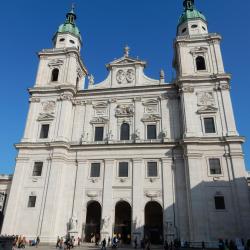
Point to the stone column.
(107, 200)
(137, 199)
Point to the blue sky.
(147, 26)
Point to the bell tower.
(62, 65)
(197, 52)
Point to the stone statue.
(73, 223)
(162, 74)
(137, 134)
(91, 80)
(105, 222)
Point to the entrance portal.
(93, 221)
(153, 229)
(122, 227)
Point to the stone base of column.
(73, 233)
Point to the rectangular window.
(99, 133)
(95, 169)
(32, 201)
(209, 125)
(123, 169)
(219, 203)
(214, 165)
(37, 170)
(151, 132)
(44, 131)
(152, 169)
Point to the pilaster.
(107, 200)
(137, 200)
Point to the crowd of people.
(67, 243)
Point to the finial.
(188, 4)
(126, 51)
(73, 7)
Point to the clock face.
(120, 76)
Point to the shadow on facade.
(207, 212)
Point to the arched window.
(200, 63)
(125, 131)
(54, 75)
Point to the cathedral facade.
(131, 156)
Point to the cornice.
(203, 78)
(134, 89)
(198, 38)
(212, 140)
(55, 89)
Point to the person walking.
(203, 245)
(166, 247)
(57, 241)
(104, 244)
(37, 241)
(135, 242)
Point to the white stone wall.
(184, 187)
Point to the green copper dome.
(190, 12)
(69, 26)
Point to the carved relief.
(206, 102)
(151, 106)
(49, 107)
(124, 110)
(100, 109)
(48, 110)
(55, 63)
(121, 76)
(130, 76)
(151, 118)
(125, 76)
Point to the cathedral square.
(130, 157)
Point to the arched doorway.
(93, 220)
(153, 229)
(122, 228)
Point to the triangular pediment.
(150, 102)
(100, 105)
(125, 61)
(45, 117)
(207, 109)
